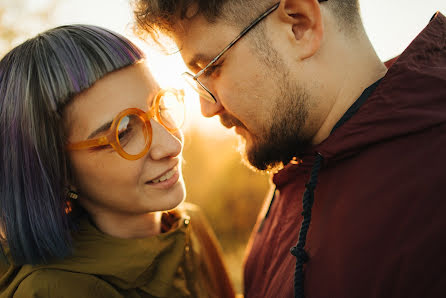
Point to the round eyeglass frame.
(111, 137)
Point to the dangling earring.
(73, 195)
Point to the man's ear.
(305, 20)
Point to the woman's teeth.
(166, 176)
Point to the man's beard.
(284, 138)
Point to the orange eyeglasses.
(130, 133)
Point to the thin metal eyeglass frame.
(249, 27)
(246, 30)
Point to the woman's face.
(108, 183)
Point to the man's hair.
(161, 16)
(37, 80)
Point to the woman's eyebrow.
(101, 129)
(106, 126)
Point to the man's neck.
(358, 68)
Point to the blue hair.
(37, 79)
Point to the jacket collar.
(150, 264)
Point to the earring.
(73, 195)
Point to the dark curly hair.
(160, 16)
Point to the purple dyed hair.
(37, 79)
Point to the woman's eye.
(125, 130)
(123, 127)
(123, 133)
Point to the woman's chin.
(173, 199)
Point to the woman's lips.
(167, 180)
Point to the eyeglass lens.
(197, 87)
(171, 111)
(133, 135)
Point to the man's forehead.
(200, 41)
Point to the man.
(303, 87)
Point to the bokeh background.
(230, 194)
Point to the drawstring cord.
(308, 198)
(298, 251)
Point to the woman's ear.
(305, 22)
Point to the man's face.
(254, 90)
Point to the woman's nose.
(164, 144)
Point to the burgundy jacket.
(378, 226)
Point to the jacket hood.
(400, 104)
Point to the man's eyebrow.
(101, 129)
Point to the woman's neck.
(128, 226)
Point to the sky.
(390, 24)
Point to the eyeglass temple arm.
(88, 144)
(255, 22)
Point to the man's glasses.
(130, 133)
(193, 80)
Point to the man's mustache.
(229, 121)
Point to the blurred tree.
(229, 193)
(21, 19)
(7, 33)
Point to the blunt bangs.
(83, 54)
(37, 79)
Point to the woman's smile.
(167, 180)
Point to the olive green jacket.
(185, 261)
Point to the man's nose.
(209, 109)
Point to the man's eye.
(211, 70)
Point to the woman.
(90, 165)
